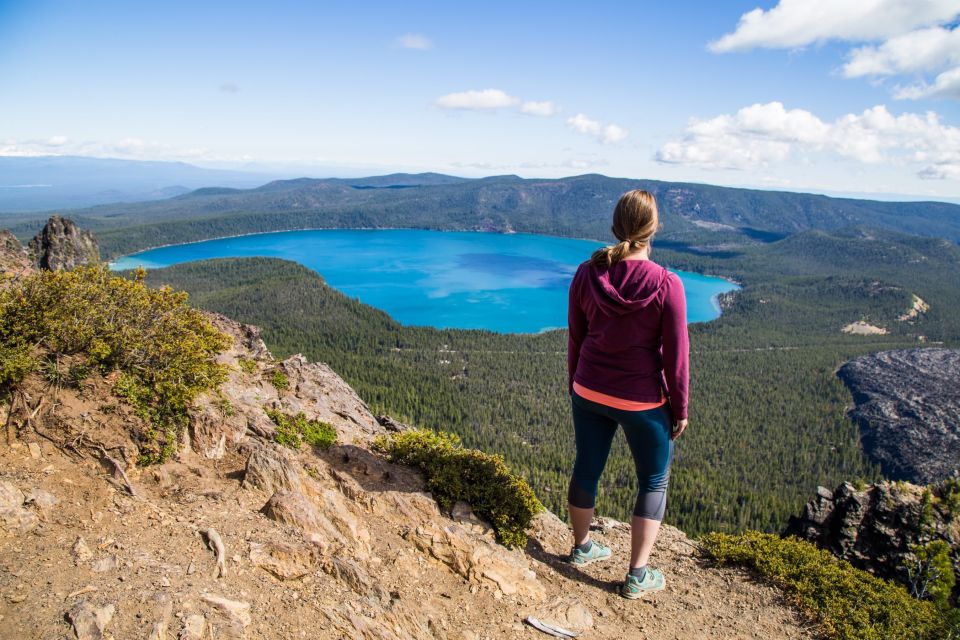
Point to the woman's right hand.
(678, 428)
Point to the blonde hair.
(635, 220)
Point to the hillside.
(707, 217)
(236, 536)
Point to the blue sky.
(802, 94)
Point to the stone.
(14, 518)
(81, 552)
(236, 613)
(333, 527)
(108, 563)
(356, 577)
(479, 560)
(283, 560)
(35, 451)
(42, 500)
(194, 628)
(90, 621)
(271, 469)
(462, 514)
(568, 613)
(61, 244)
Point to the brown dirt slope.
(332, 544)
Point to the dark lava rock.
(61, 244)
(875, 526)
(908, 411)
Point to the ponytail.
(609, 256)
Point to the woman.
(628, 366)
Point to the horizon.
(269, 175)
(808, 97)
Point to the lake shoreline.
(508, 283)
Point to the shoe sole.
(590, 561)
(640, 594)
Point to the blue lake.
(514, 283)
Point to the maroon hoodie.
(628, 333)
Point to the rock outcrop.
(61, 244)
(875, 526)
(908, 411)
(14, 259)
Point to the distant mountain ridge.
(703, 217)
(48, 182)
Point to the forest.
(767, 412)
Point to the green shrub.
(480, 479)
(279, 380)
(293, 431)
(164, 350)
(950, 498)
(851, 604)
(931, 573)
(247, 365)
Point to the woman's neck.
(639, 254)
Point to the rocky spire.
(61, 244)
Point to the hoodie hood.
(626, 286)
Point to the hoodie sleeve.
(576, 329)
(676, 346)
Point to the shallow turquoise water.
(513, 283)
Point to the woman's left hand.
(678, 428)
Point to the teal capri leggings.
(648, 434)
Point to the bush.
(851, 604)
(479, 479)
(163, 349)
(293, 431)
(279, 380)
(247, 365)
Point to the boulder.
(270, 469)
(479, 560)
(61, 244)
(332, 527)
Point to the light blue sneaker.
(634, 588)
(598, 551)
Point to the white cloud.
(946, 85)
(485, 100)
(928, 49)
(57, 141)
(764, 134)
(415, 41)
(543, 109)
(796, 23)
(608, 134)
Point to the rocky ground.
(908, 411)
(333, 544)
